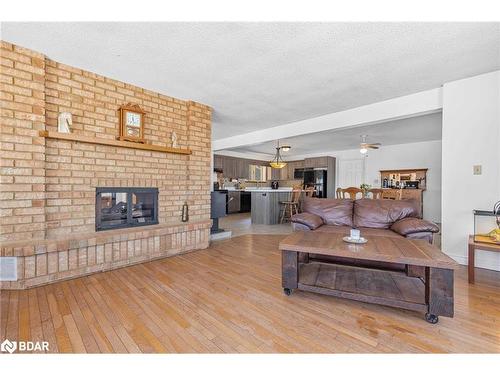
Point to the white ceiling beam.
(245, 155)
(421, 103)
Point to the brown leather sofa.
(375, 217)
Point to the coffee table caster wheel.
(431, 318)
(287, 291)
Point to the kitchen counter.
(266, 205)
(266, 190)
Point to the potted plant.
(365, 189)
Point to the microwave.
(411, 184)
(298, 173)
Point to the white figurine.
(64, 122)
(174, 140)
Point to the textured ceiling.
(259, 75)
(415, 129)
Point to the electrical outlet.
(477, 170)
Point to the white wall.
(405, 156)
(471, 136)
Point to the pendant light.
(278, 161)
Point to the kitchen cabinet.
(234, 202)
(284, 173)
(319, 162)
(236, 167)
(275, 174)
(293, 166)
(258, 172)
(240, 168)
(218, 160)
(266, 206)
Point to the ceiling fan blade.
(372, 146)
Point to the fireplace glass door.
(126, 207)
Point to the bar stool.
(309, 192)
(290, 207)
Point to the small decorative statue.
(64, 122)
(174, 140)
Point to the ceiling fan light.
(363, 150)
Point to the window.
(125, 207)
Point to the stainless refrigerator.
(317, 178)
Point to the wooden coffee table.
(426, 285)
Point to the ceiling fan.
(364, 146)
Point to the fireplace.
(117, 207)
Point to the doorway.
(350, 172)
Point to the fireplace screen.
(125, 207)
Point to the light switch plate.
(477, 169)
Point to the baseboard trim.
(479, 263)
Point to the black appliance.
(317, 179)
(411, 184)
(245, 201)
(275, 185)
(218, 202)
(298, 173)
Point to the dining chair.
(338, 193)
(376, 193)
(291, 206)
(351, 192)
(309, 192)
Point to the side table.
(473, 246)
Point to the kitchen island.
(266, 204)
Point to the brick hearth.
(48, 186)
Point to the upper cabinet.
(218, 160)
(246, 168)
(236, 167)
(319, 162)
(258, 172)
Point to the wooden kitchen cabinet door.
(218, 159)
(319, 162)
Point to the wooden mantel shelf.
(112, 142)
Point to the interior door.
(350, 173)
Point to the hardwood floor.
(228, 298)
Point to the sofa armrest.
(412, 225)
(307, 219)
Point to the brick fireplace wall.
(48, 186)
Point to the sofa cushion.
(332, 211)
(382, 213)
(308, 219)
(411, 225)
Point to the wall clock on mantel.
(131, 123)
